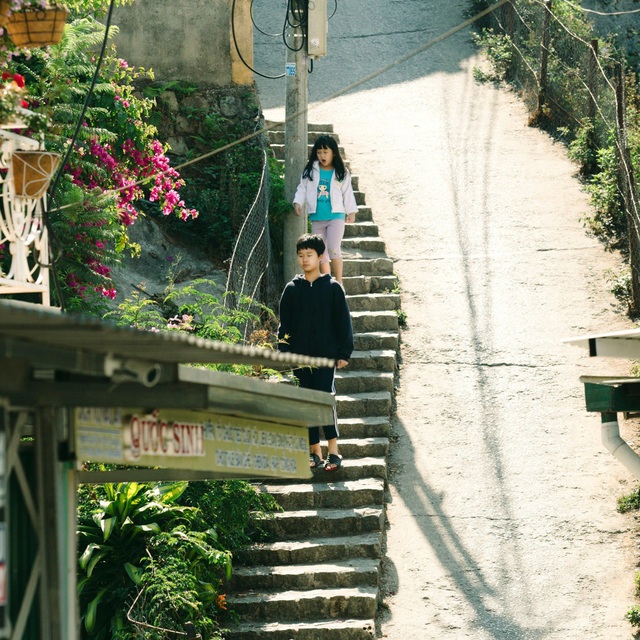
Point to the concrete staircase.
(319, 578)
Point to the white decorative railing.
(21, 223)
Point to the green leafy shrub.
(499, 51)
(242, 505)
(115, 162)
(222, 187)
(181, 579)
(633, 616)
(620, 285)
(629, 502)
(198, 309)
(608, 220)
(163, 550)
(582, 148)
(115, 524)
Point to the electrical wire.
(264, 33)
(596, 58)
(297, 17)
(627, 170)
(601, 13)
(54, 185)
(235, 44)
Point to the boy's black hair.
(326, 142)
(311, 241)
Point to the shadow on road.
(496, 613)
(457, 560)
(361, 43)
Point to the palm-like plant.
(113, 540)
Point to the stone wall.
(181, 114)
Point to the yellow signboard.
(195, 440)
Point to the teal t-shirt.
(323, 205)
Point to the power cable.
(601, 13)
(299, 11)
(46, 215)
(235, 44)
(627, 170)
(264, 33)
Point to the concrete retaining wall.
(187, 40)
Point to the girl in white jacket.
(325, 187)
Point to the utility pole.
(295, 131)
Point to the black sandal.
(315, 461)
(333, 462)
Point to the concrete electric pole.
(295, 135)
(307, 38)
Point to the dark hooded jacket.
(315, 319)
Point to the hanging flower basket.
(32, 172)
(37, 26)
(5, 11)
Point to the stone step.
(354, 448)
(316, 630)
(361, 229)
(359, 285)
(348, 382)
(276, 136)
(364, 214)
(374, 302)
(356, 468)
(298, 524)
(311, 588)
(365, 427)
(295, 606)
(305, 495)
(366, 321)
(272, 125)
(278, 149)
(376, 341)
(347, 164)
(377, 266)
(373, 360)
(376, 403)
(335, 575)
(363, 244)
(313, 550)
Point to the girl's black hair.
(326, 142)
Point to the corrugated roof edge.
(30, 321)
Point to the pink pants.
(332, 232)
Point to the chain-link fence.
(252, 281)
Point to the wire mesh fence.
(252, 280)
(575, 82)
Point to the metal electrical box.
(317, 28)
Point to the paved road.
(502, 500)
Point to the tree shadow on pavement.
(456, 558)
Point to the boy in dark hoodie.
(315, 321)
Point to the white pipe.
(619, 448)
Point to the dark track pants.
(319, 379)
